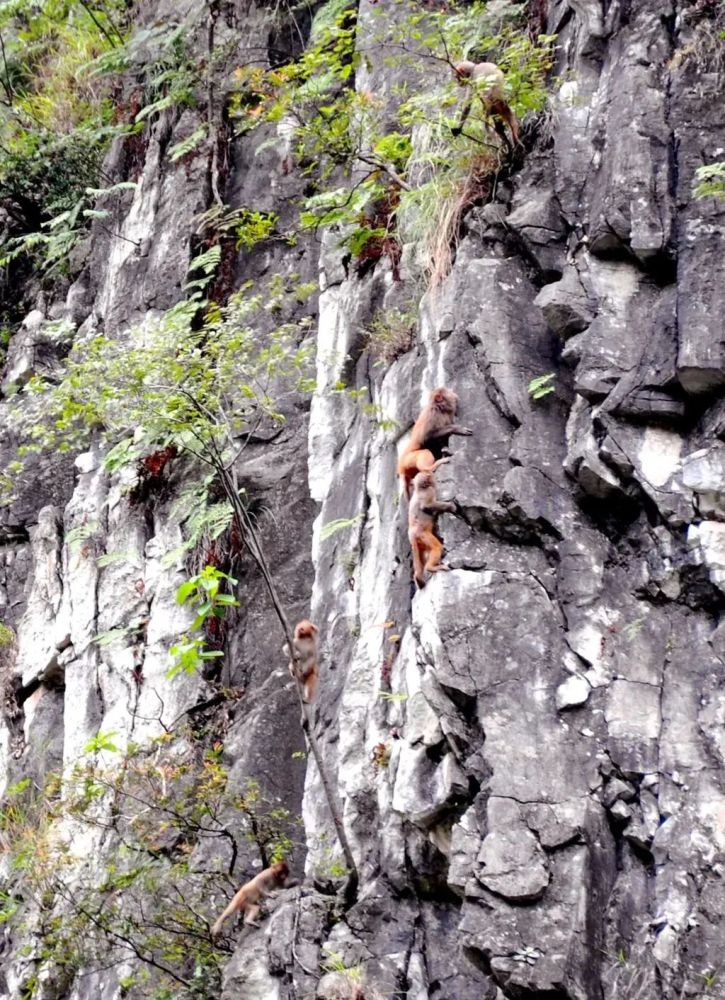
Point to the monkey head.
(463, 70)
(444, 399)
(305, 630)
(280, 869)
(424, 481)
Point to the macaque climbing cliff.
(303, 665)
(427, 548)
(486, 81)
(430, 435)
(247, 899)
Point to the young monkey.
(430, 435)
(304, 666)
(487, 82)
(247, 899)
(426, 546)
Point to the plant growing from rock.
(541, 386)
(374, 165)
(148, 900)
(204, 594)
(391, 334)
(710, 181)
(204, 388)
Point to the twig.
(390, 170)
(7, 86)
(87, 8)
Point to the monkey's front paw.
(440, 568)
(466, 431)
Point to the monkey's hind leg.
(252, 912)
(421, 460)
(418, 570)
(503, 113)
(310, 687)
(435, 551)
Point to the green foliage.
(76, 536)
(253, 227)
(55, 119)
(401, 152)
(188, 145)
(205, 595)
(60, 68)
(542, 385)
(391, 334)
(201, 518)
(194, 386)
(151, 906)
(57, 236)
(7, 636)
(115, 634)
(101, 742)
(710, 181)
(339, 524)
(335, 962)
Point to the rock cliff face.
(529, 752)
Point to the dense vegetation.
(204, 377)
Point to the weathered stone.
(645, 821)
(621, 812)
(706, 542)
(514, 866)
(703, 471)
(566, 305)
(570, 570)
(573, 692)
(423, 788)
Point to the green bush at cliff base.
(145, 903)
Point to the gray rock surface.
(549, 819)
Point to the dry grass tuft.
(475, 186)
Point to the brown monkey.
(247, 899)
(488, 82)
(303, 666)
(427, 547)
(430, 435)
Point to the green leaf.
(186, 146)
(541, 386)
(340, 524)
(101, 741)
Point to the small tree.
(202, 388)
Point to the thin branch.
(7, 86)
(147, 959)
(107, 12)
(389, 169)
(88, 9)
(253, 545)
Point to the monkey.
(488, 81)
(430, 435)
(304, 666)
(247, 899)
(427, 547)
